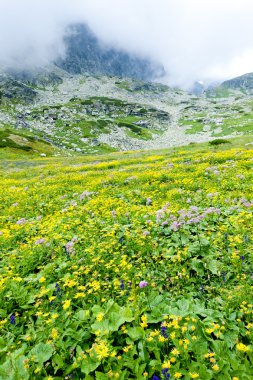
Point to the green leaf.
(83, 315)
(2, 343)
(42, 352)
(57, 362)
(89, 365)
(13, 369)
(183, 306)
(6, 371)
(101, 376)
(213, 266)
(143, 353)
(136, 333)
(197, 266)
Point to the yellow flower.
(166, 364)
(100, 317)
(80, 295)
(66, 304)
(123, 329)
(144, 320)
(215, 367)
(42, 279)
(101, 350)
(175, 352)
(194, 375)
(235, 378)
(178, 375)
(70, 283)
(54, 334)
(242, 347)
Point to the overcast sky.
(194, 39)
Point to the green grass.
(123, 85)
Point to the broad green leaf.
(136, 333)
(83, 315)
(42, 352)
(89, 365)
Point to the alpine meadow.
(126, 179)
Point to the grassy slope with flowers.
(79, 234)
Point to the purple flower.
(159, 215)
(143, 284)
(165, 372)
(40, 241)
(122, 285)
(155, 377)
(242, 257)
(21, 221)
(113, 214)
(57, 290)
(164, 331)
(69, 247)
(175, 226)
(12, 319)
(85, 194)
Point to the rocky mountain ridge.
(243, 82)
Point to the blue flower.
(164, 331)
(122, 286)
(165, 372)
(58, 290)
(12, 319)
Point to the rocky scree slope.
(85, 114)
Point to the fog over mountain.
(192, 39)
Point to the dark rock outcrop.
(86, 55)
(13, 90)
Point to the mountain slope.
(85, 54)
(243, 82)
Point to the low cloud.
(193, 39)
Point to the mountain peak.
(86, 54)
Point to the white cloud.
(194, 39)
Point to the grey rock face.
(85, 54)
(11, 89)
(40, 77)
(242, 82)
